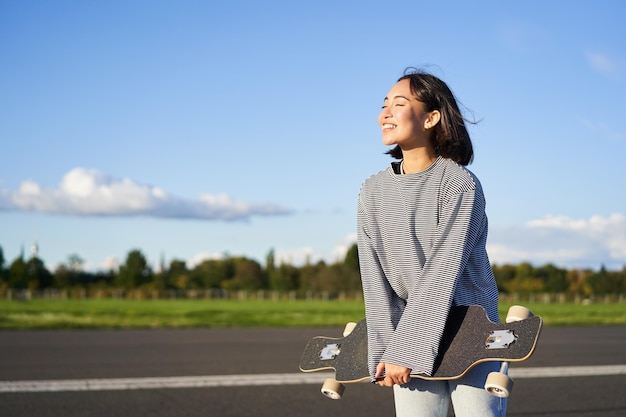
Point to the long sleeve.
(382, 315)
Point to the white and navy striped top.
(421, 245)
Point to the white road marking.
(110, 384)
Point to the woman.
(422, 231)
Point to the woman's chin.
(389, 141)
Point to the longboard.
(469, 339)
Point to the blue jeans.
(421, 398)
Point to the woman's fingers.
(394, 374)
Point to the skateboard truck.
(500, 339)
(500, 384)
(330, 351)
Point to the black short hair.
(451, 139)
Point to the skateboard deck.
(470, 338)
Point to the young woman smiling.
(422, 231)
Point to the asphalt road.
(233, 355)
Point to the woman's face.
(403, 120)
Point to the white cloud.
(342, 246)
(198, 258)
(603, 64)
(521, 36)
(110, 263)
(564, 241)
(607, 232)
(301, 256)
(297, 256)
(604, 129)
(90, 192)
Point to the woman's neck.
(417, 160)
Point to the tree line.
(239, 273)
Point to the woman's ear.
(432, 119)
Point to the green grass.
(571, 314)
(117, 313)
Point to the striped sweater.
(421, 244)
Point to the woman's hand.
(394, 374)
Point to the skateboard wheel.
(518, 313)
(348, 329)
(333, 389)
(499, 384)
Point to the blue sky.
(193, 129)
